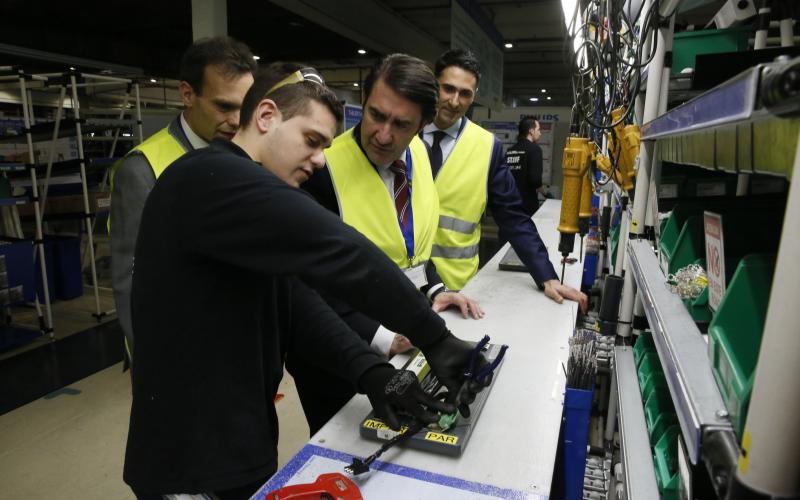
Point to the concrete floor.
(71, 443)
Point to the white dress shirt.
(448, 142)
(195, 140)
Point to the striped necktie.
(401, 191)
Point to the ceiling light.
(548, 98)
(72, 68)
(544, 91)
(509, 45)
(362, 51)
(256, 57)
(355, 84)
(534, 99)
(153, 80)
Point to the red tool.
(333, 486)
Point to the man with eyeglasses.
(228, 257)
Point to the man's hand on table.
(558, 292)
(469, 307)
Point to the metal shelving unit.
(746, 125)
(102, 125)
(638, 468)
(682, 350)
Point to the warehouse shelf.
(682, 350)
(119, 124)
(65, 167)
(733, 127)
(12, 167)
(17, 200)
(639, 470)
(67, 128)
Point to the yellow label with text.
(634, 223)
(379, 426)
(744, 457)
(442, 438)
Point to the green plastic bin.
(734, 335)
(650, 364)
(658, 403)
(687, 45)
(644, 344)
(663, 424)
(665, 459)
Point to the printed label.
(442, 438)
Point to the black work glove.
(448, 358)
(390, 390)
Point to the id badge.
(416, 275)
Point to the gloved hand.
(390, 390)
(448, 358)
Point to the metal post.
(87, 213)
(770, 456)
(646, 159)
(138, 112)
(47, 320)
(59, 113)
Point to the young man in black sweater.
(227, 259)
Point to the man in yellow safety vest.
(215, 75)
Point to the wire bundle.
(582, 363)
(607, 59)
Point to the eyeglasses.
(299, 76)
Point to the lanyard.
(408, 231)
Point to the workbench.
(512, 450)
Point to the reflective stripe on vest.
(461, 184)
(160, 149)
(458, 225)
(366, 205)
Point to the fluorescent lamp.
(509, 45)
(362, 51)
(534, 99)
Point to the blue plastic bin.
(67, 266)
(577, 410)
(19, 264)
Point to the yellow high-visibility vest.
(366, 204)
(160, 149)
(461, 184)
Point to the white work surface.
(513, 445)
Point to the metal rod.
(106, 78)
(39, 243)
(59, 113)
(87, 216)
(138, 112)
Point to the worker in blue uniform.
(471, 175)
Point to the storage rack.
(8, 73)
(735, 129)
(82, 129)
